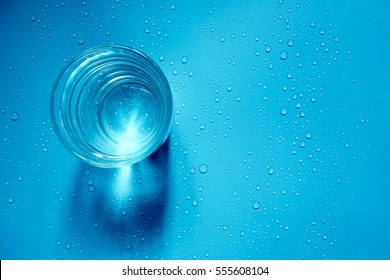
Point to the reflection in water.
(121, 209)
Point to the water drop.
(33, 18)
(161, 58)
(283, 191)
(271, 170)
(10, 67)
(96, 224)
(173, 7)
(229, 88)
(81, 41)
(90, 182)
(11, 199)
(290, 43)
(268, 49)
(283, 111)
(203, 168)
(15, 116)
(308, 135)
(195, 203)
(184, 60)
(283, 55)
(256, 205)
(124, 212)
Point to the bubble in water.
(124, 212)
(184, 59)
(96, 224)
(271, 170)
(87, 172)
(283, 111)
(11, 199)
(15, 116)
(283, 55)
(256, 205)
(203, 168)
(90, 182)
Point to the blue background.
(237, 179)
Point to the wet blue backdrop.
(279, 146)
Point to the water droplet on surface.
(173, 7)
(20, 178)
(96, 224)
(15, 116)
(283, 191)
(268, 49)
(184, 60)
(195, 203)
(33, 18)
(308, 135)
(11, 199)
(271, 170)
(256, 205)
(10, 67)
(283, 55)
(124, 212)
(229, 88)
(283, 111)
(203, 168)
(81, 41)
(90, 182)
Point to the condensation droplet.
(229, 88)
(203, 168)
(11, 199)
(283, 55)
(283, 111)
(256, 205)
(271, 170)
(96, 224)
(184, 59)
(15, 116)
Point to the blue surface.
(238, 178)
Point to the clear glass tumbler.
(112, 106)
